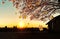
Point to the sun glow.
(31, 24)
(21, 24)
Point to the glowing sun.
(21, 24)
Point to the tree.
(35, 9)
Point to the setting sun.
(21, 24)
(31, 24)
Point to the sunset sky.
(7, 14)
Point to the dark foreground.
(28, 35)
